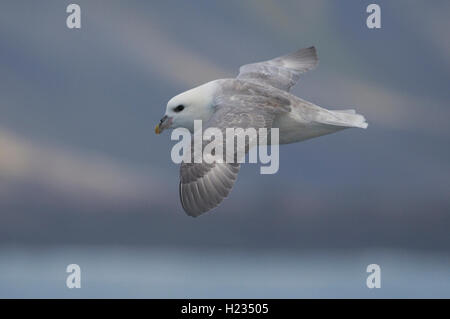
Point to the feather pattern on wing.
(203, 186)
(282, 72)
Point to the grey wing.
(203, 186)
(282, 72)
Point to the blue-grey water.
(120, 272)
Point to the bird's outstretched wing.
(203, 186)
(282, 72)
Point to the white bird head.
(184, 108)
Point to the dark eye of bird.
(179, 108)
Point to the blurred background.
(83, 178)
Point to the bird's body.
(299, 121)
(258, 98)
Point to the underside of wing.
(204, 186)
(282, 72)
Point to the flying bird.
(257, 98)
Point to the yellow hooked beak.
(163, 124)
